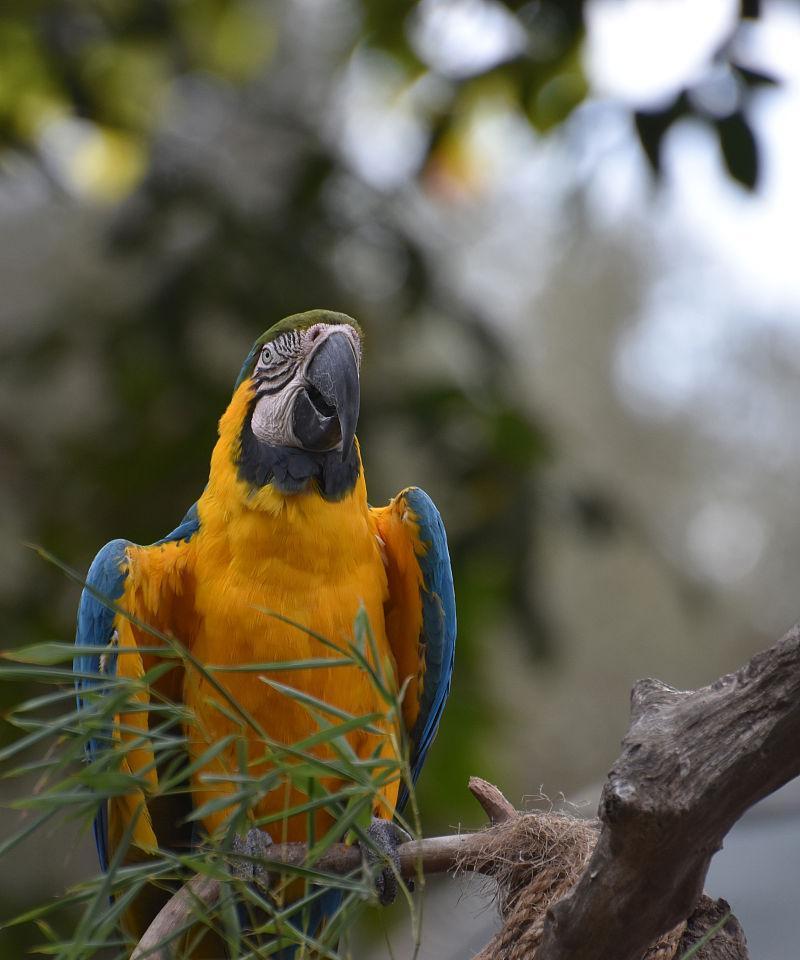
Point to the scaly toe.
(386, 837)
(248, 850)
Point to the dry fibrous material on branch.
(536, 858)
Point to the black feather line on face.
(284, 372)
(292, 469)
(263, 391)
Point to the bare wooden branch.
(197, 893)
(495, 805)
(692, 763)
(435, 854)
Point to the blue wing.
(438, 638)
(105, 581)
(106, 578)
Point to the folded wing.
(420, 613)
(126, 585)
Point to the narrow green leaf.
(10, 842)
(45, 654)
(278, 666)
(300, 696)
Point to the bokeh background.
(570, 231)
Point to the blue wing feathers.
(438, 626)
(106, 578)
(105, 581)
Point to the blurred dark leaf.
(542, 13)
(754, 79)
(515, 440)
(597, 514)
(384, 26)
(652, 125)
(739, 149)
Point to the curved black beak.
(325, 413)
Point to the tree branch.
(494, 804)
(435, 854)
(692, 763)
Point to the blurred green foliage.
(113, 63)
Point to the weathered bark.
(692, 763)
(728, 943)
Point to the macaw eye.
(266, 354)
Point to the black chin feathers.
(293, 470)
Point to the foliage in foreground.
(323, 767)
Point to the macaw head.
(302, 382)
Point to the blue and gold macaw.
(283, 525)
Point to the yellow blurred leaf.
(94, 162)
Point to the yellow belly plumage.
(317, 586)
(313, 562)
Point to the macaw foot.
(248, 849)
(386, 837)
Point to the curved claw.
(248, 851)
(386, 837)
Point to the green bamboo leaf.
(44, 654)
(46, 930)
(66, 798)
(10, 842)
(351, 817)
(24, 743)
(367, 667)
(324, 767)
(280, 923)
(237, 798)
(278, 666)
(330, 800)
(206, 757)
(46, 674)
(303, 629)
(300, 696)
(52, 652)
(48, 699)
(333, 732)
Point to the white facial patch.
(279, 376)
(272, 415)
